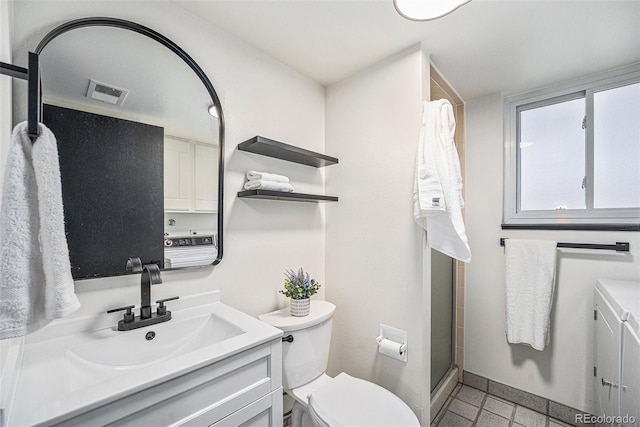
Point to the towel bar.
(618, 246)
(32, 75)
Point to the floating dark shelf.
(279, 150)
(279, 195)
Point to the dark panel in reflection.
(112, 190)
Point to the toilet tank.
(306, 357)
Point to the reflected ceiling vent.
(106, 93)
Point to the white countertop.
(47, 387)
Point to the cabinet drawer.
(264, 412)
(216, 390)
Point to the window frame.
(624, 219)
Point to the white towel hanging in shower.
(437, 194)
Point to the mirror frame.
(141, 29)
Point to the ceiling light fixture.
(426, 10)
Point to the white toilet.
(323, 401)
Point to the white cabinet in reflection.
(190, 176)
(178, 174)
(206, 178)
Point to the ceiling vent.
(106, 93)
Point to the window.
(572, 155)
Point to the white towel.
(530, 282)
(437, 192)
(266, 176)
(35, 274)
(268, 185)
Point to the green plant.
(299, 285)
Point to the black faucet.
(150, 276)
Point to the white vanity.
(211, 365)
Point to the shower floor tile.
(470, 407)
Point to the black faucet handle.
(128, 316)
(162, 309)
(134, 265)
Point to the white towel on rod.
(266, 176)
(530, 269)
(437, 192)
(36, 285)
(268, 185)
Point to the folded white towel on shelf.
(266, 176)
(268, 185)
(36, 285)
(530, 268)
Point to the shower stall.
(447, 283)
(444, 372)
(442, 317)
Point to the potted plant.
(299, 287)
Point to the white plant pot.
(300, 307)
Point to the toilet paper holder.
(392, 342)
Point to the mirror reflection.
(139, 151)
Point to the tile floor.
(468, 407)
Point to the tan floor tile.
(489, 419)
(453, 420)
(499, 407)
(471, 395)
(529, 418)
(464, 409)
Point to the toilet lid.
(346, 401)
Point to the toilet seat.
(346, 401)
(302, 393)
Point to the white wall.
(6, 12)
(564, 371)
(260, 96)
(5, 134)
(374, 248)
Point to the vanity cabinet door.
(265, 412)
(178, 174)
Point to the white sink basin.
(75, 364)
(131, 349)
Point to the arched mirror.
(140, 134)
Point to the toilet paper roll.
(390, 348)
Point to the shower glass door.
(442, 321)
